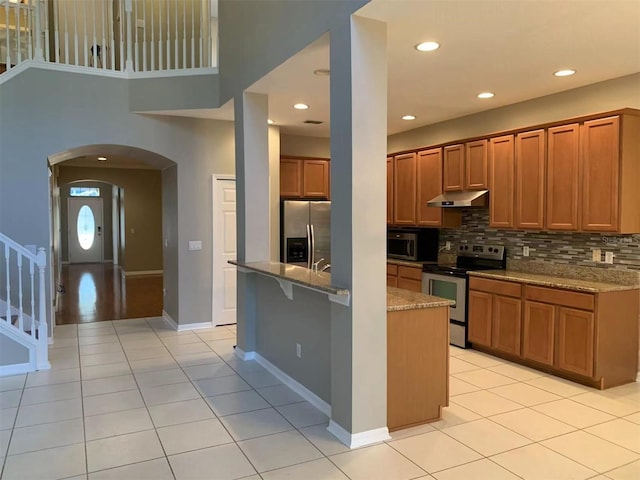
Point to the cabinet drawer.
(584, 301)
(410, 272)
(509, 289)
(392, 269)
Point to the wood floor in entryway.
(96, 292)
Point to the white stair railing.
(26, 319)
(116, 35)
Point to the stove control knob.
(490, 249)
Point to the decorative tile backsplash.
(545, 247)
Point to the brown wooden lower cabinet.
(417, 366)
(587, 337)
(401, 276)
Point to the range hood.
(475, 198)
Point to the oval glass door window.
(86, 227)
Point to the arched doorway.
(107, 219)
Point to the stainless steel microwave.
(418, 245)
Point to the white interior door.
(224, 249)
(84, 232)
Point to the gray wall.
(12, 352)
(174, 93)
(599, 97)
(256, 36)
(281, 323)
(63, 118)
(297, 145)
(170, 241)
(107, 223)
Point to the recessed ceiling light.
(564, 73)
(102, 159)
(427, 46)
(485, 95)
(408, 117)
(301, 106)
(322, 72)
(270, 122)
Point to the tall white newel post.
(358, 231)
(252, 207)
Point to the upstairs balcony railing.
(116, 35)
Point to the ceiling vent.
(313, 122)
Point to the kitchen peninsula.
(417, 341)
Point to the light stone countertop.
(408, 263)
(400, 299)
(294, 274)
(552, 281)
(397, 298)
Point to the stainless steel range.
(450, 281)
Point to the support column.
(358, 231)
(252, 205)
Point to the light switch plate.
(596, 255)
(608, 257)
(525, 251)
(195, 245)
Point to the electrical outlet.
(525, 251)
(298, 350)
(164, 291)
(608, 257)
(195, 245)
(596, 255)
(447, 246)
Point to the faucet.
(314, 266)
(326, 267)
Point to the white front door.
(224, 249)
(84, 231)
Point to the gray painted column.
(358, 230)
(252, 207)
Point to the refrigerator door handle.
(313, 245)
(309, 248)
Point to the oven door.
(452, 288)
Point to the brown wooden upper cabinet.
(453, 168)
(465, 166)
(404, 189)
(476, 169)
(530, 161)
(563, 179)
(389, 190)
(304, 178)
(429, 186)
(502, 167)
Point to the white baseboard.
(294, 385)
(16, 369)
(245, 355)
(183, 327)
(359, 439)
(142, 273)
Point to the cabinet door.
(479, 318)
(506, 324)
(501, 168)
(315, 182)
(453, 168)
(600, 162)
(404, 189)
(575, 341)
(429, 185)
(563, 178)
(476, 170)
(410, 284)
(290, 177)
(539, 332)
(389, 190)
(529, 185)
(392, 281)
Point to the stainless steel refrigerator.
(305, 233)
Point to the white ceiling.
(509, 47)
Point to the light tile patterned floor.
(132, 399)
